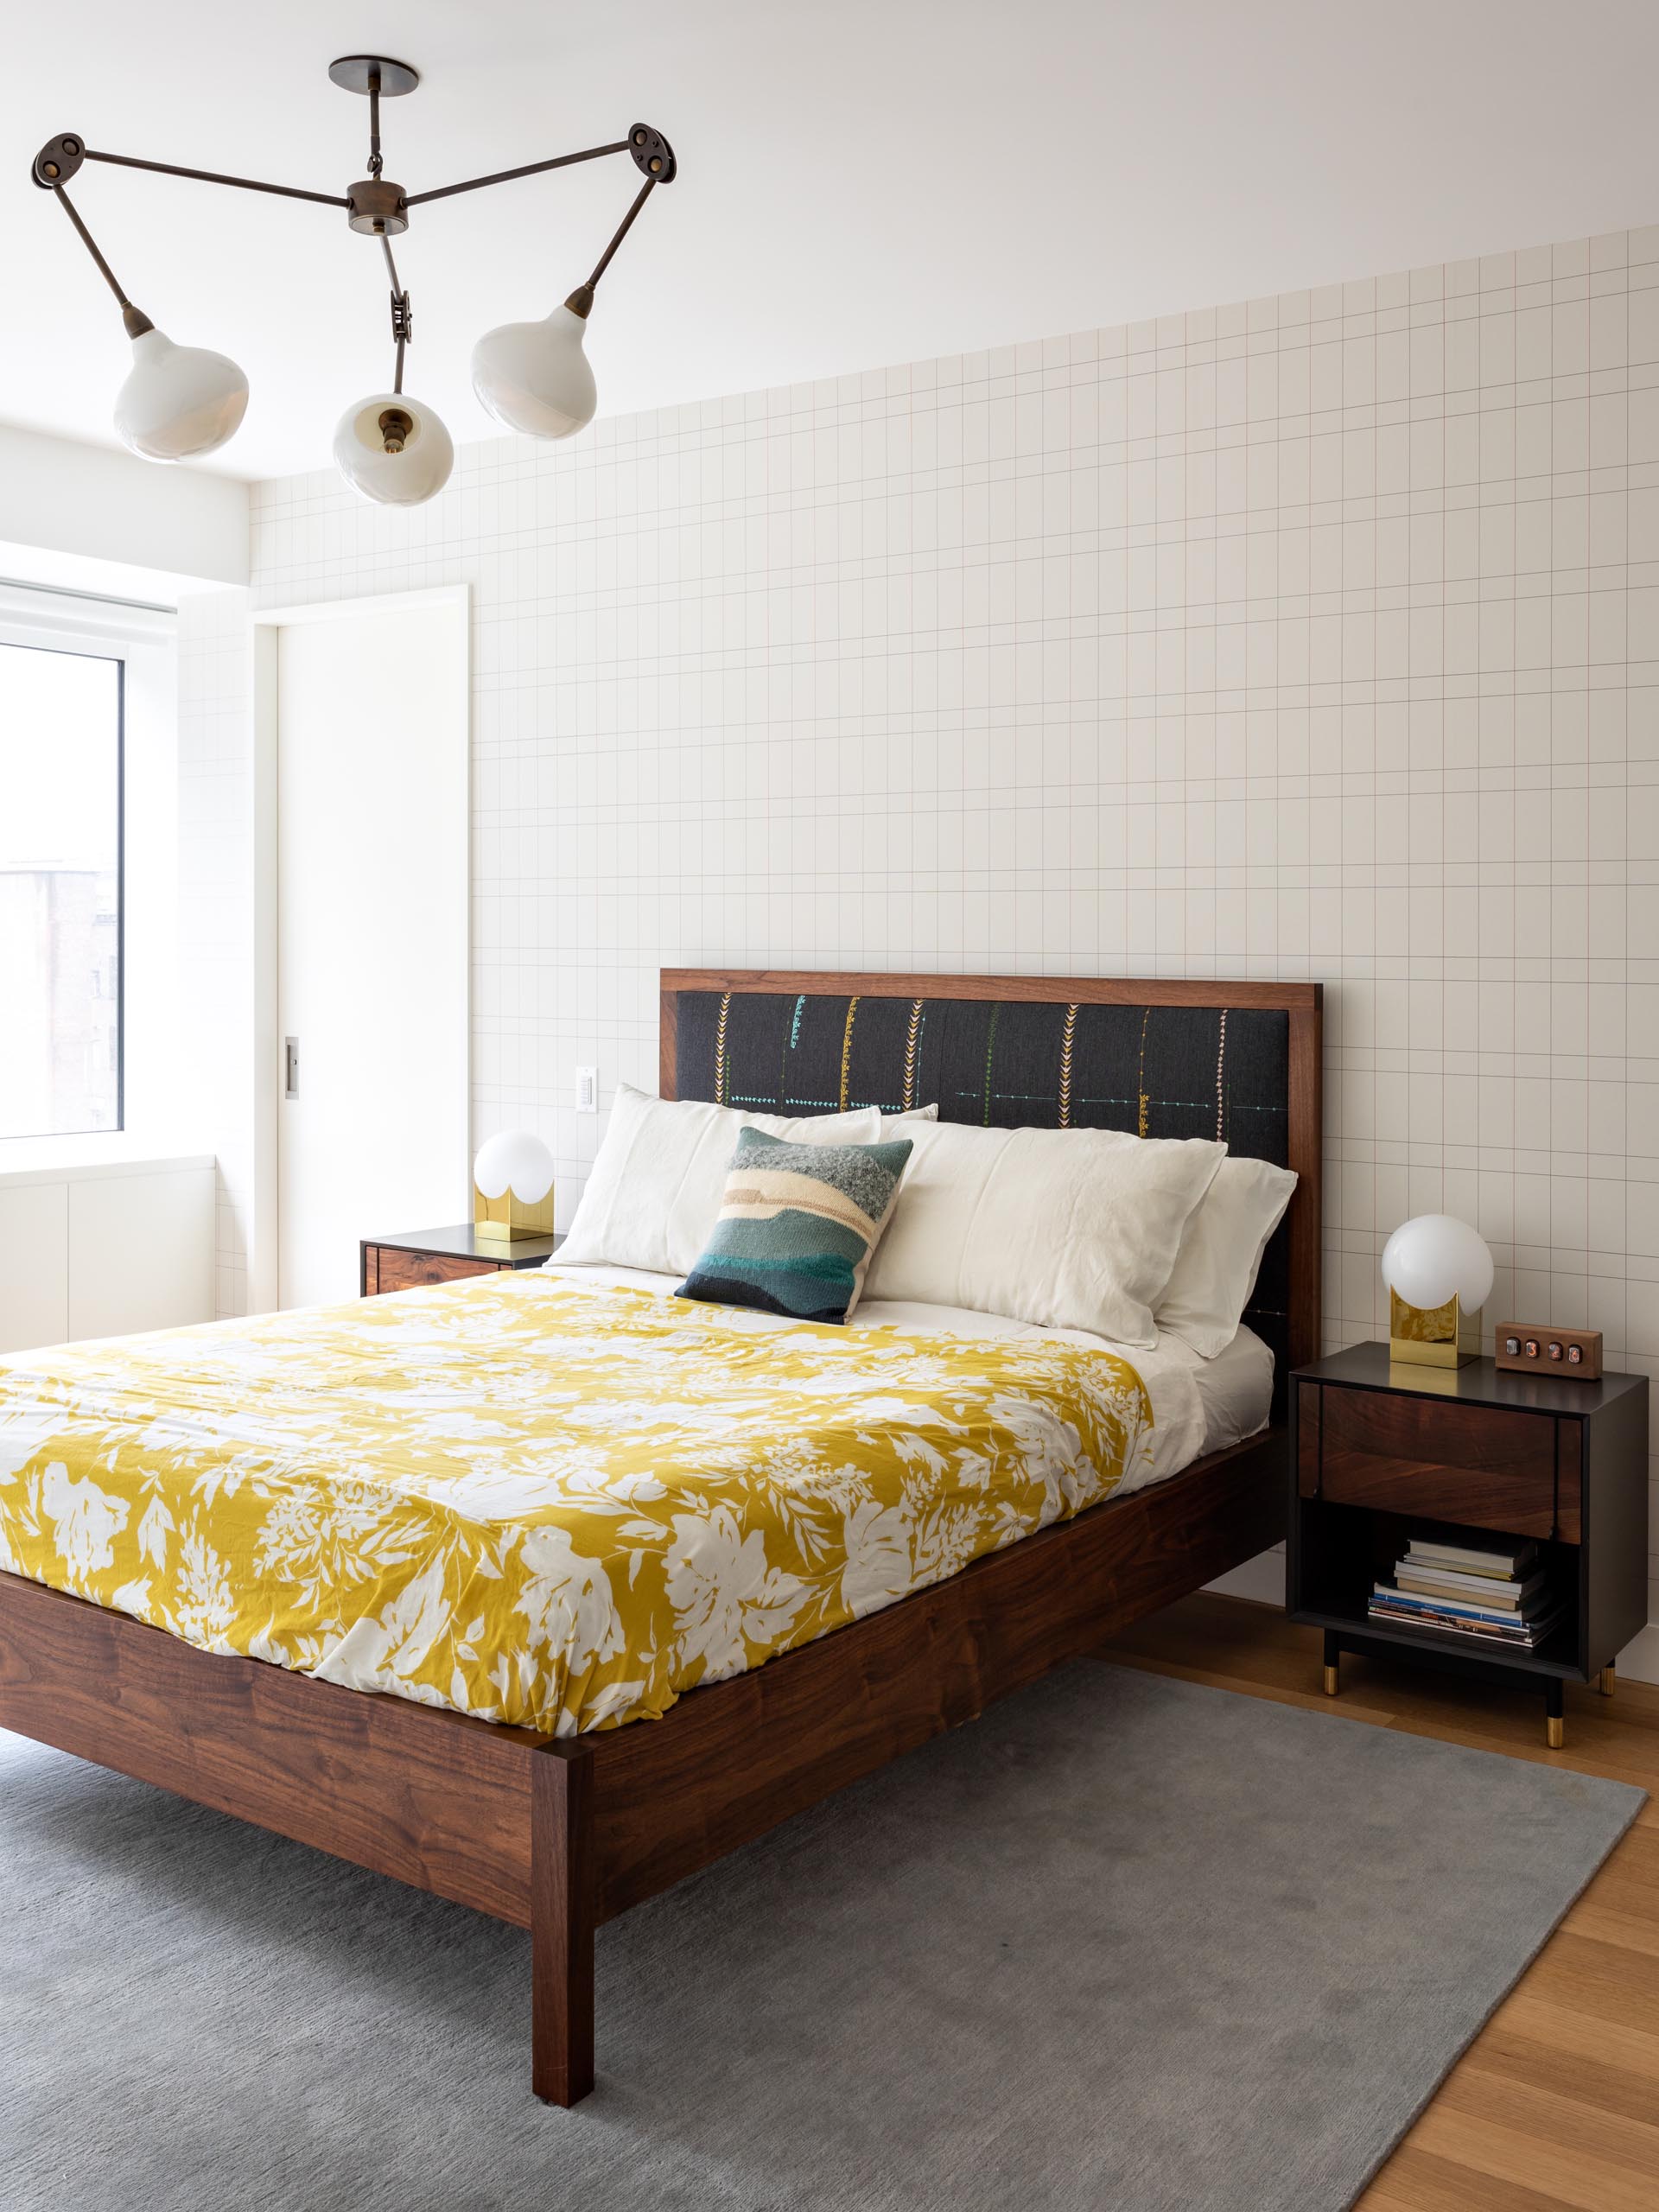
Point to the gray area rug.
(1125, 1943)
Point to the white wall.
(95, 503)
(1316, 636)
(216, 916)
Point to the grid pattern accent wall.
(1317, 636)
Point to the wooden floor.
(1557, 2103)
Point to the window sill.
(85, 1159)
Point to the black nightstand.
(419, 1255)
(1379, 1452)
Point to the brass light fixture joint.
(395, 425)
(376, 208)
(59, 160)
(652, 155)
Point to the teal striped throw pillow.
(798, 1225)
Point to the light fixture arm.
(61, 157)
(622, 230)
(507, 176)
(654, 158)
(136, 319)
(212, 177)
(401, 319)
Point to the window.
(60, 891)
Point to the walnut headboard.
(1240, 1061)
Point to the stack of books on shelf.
(1493, 1592)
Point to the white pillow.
(892, 1124)
(1216, 1268)
(1071, 1228)
(655, 1190)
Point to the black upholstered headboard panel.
(1237, 1061)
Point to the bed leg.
(561, 1922)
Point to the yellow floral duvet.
(537, 1500)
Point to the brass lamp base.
(1432, 1336)
(508, 1219)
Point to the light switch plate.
(587, 1090)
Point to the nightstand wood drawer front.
(1490, 1468)
(398, 1270)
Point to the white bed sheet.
(1198, 1405)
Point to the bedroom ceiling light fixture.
(180, 401)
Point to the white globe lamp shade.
(1435, 1258)
(535, 376)
(393, 450)
(516, 1161)
(178, 401)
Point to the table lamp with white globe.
(1439, 1272)
(513, 1187)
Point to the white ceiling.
(860, 182)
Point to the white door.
(372, 934)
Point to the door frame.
(263, 1256)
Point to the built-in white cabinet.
(102, 1251)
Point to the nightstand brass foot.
(1331, 1682)
(1555, 1714)
(1604, 1681)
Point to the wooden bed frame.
(559, 1835)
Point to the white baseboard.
(1640, 1660)
(1262, 1578)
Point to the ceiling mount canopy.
(180, 401)
(373, 74)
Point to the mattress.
(560, 1500)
